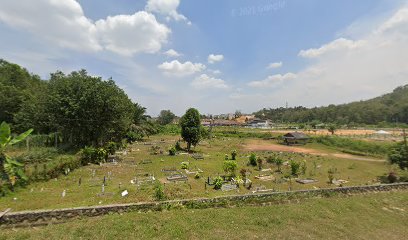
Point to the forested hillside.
(389, 108)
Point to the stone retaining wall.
(40, 217)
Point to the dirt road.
(258, 146)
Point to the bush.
(159, 192)
(229, 167)
(172, 151)
(178, 146)
(233, 154)
(392, 177)
(133, 137)
(252, 159)
(226, 157)
(217, 183)
(184, 165)
(294, 168)
(111, 148)
(197, 175)
(93, 155)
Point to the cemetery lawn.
(381, 215)
(48, 194)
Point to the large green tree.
(190, 124)
(165, 117)
(88, 110)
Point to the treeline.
(84, 110)
(388, 109)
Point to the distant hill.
(388, 108)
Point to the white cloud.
(130, 34)
(340, 44)
(215, 58)
(179, 69)
(272, 80)
(60, 22)
(275, 65)
(167, 8)
(64, 24)
(204, 81)
(215, 72)
(172, 53)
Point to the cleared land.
(257, 145)
(370, 216)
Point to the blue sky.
(218, 56)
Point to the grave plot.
(177, 177)
(265, 177)
(229, 187)
(306, 181)
(197, 156)
(146, 161)
(169, 170)
(143, 179)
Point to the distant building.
(258, 123)
(295, 138)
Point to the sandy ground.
(341, 132)
(255, 146)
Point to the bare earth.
(256, 146)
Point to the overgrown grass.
(369, 216)
(356, 147)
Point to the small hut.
(295, 138)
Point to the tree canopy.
(165, 117)
(190, 124)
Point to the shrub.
(392, 177)
(172, 151)
(260, 163)
(93, 155)
(226, 157)
(230, 167)
(331, 173)
(279, 163)
(217, 183)
(159, 192)
(294, 168)
(184, 165)
(270, 159)
(197, 175)
(133, 137)
(178, 146)
(252, 159)
(233, 154)
(111, 148)
(303, 168)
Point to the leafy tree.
(87, 109)
(190, 124)
(279, 163)
(332, 128)
(10, 170)
(165, 117)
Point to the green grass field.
(48, 194)
(369, 216)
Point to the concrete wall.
(40, 217)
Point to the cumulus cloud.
(130, 34)
(179, 69)
(172, 53)
(340, 44)
(65, 25)
(60, 22)
(204, 81)
(215, 58)
(274, 65)
(272, 80)
(166, 8)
